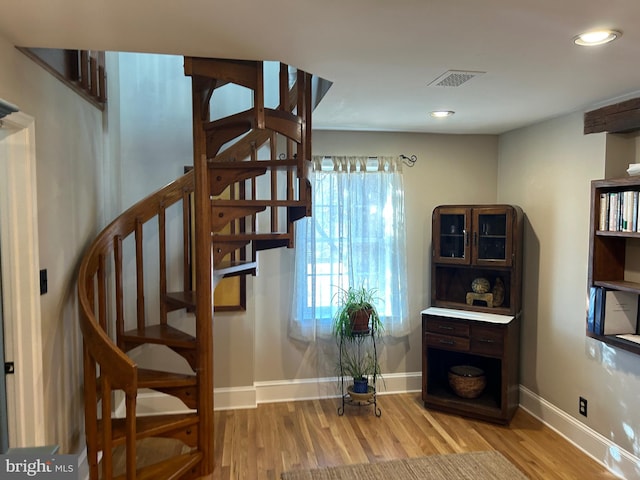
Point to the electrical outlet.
(583, 406)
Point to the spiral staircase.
(226, 220)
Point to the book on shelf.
(604, 212)
(619, 313)
(595, 294)
(612, 312)
(619, 211)
(634, 211)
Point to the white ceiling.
(379, 54)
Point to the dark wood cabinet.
(486, 341)
(614, 252)
(474, 327)
(476, 241)
(473, 235)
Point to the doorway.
(4, 425)
(20, 282)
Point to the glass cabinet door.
(491, 236)
(452, 236)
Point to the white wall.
(450, 169)
(547, 169)
(69, 156)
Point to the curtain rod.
(408, 161)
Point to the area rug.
(490, 465)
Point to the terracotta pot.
(360, 321)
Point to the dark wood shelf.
(607, 233)
(615, 341)
(475, 308)
(486, 404)
(622, 285)
(608, 260)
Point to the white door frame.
(21, 280)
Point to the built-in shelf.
(609, 261)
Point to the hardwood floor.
(261, 443)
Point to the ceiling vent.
(454, 78)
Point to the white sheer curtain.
(355, 237)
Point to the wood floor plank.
(261, 443)
(310, 434)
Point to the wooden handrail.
(102, 355)
(81, 70)
(101, 347)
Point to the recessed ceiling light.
(596, 37)
(442, 113)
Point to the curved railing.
(100, 294)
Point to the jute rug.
(489, 465)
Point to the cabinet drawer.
(487, 340)
(447, 327)
(447, 341)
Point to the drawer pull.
(486, 340)
(445, 327)
(446, 342)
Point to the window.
(355, 237)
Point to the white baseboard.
(601, 449)
(329, 387)
(153, 403)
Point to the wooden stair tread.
(261, 241)
(257, 203)
(249, 164)
(148, 426)
(269, 243)
(161, 335)
(298, 211)
(247, 237)
(234, 268)
(245, 119)
(158, 379)
(229, 268)
(171, 469)
(178, 300)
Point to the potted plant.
(356, 319)
(356, 314)
(360, 366)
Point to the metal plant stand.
(362, 343)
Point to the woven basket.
(467, 381)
